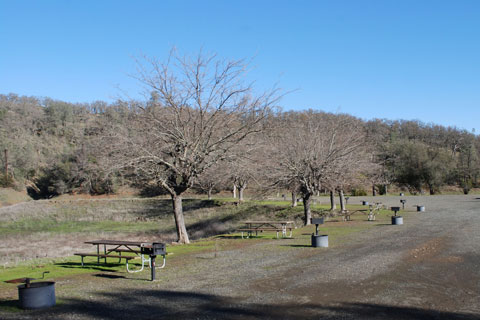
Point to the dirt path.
(426, 269)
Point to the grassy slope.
(86, 216)
(9, 196)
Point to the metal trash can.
(320, 240)
(397, 220)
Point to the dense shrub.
(358, 192)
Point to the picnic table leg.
(164, 262)
(98, 254)
(105, 252)
(141, 269)
(149, 261)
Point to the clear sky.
(374, 59)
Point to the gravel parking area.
(427, 268)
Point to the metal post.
(152, 268)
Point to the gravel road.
(427, 268)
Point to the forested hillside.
(54, 147)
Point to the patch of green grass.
(277, 203)
(194, 247)
(71, 266)
(58, 268)
(334, 231)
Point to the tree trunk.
(6, 165)
(374, 191)
(333, 206)
(234, 191)
(179, 219)
(342, 200)
(385, 189)
(294, 199)
(240, 193)
(209, 194)
(307, 199)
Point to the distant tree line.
(205, 129)
(53, 148)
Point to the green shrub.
(358, 192)
(381, 189)
(467, 186)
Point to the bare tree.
(313, 147)
(213, 178)
(200, 109)
(247, 166)
(346, 172)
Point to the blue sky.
(374, 59)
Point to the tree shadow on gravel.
(163, 304)
(108, 276)
(89, 265)
(297, 245)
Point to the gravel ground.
(427, 268)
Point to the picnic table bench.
(104, 256)
(267, 225)
(347, 215)
(372, 211)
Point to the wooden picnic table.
(132, 246)
(115, 248)
(257, 226)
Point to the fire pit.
(396, 220)
(319, 240)
(35, 295)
